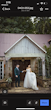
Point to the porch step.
(50, 83)
(21, 84)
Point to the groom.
(17, 75)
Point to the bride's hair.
(29, 65)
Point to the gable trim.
(21, 39)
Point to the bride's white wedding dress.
(30, 80)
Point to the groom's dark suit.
(17, 72)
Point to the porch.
(21, 51)
(24, 52)
(21, 89)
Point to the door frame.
(26, 63)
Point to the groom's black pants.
(17, 80)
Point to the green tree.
(48, 60)
(16, 25)
(42, 25)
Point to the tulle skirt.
(30, 81)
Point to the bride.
(30, 79)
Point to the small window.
(1, 73)
(1, 63)
(1, 69)
(1, 77)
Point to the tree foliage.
(42, 25)
(48, 60)
(16, 25)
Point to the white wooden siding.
(25, 46)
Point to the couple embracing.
(29, 80)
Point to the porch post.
(43, 68)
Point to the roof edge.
(21, 39)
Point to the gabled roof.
(29, 39)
